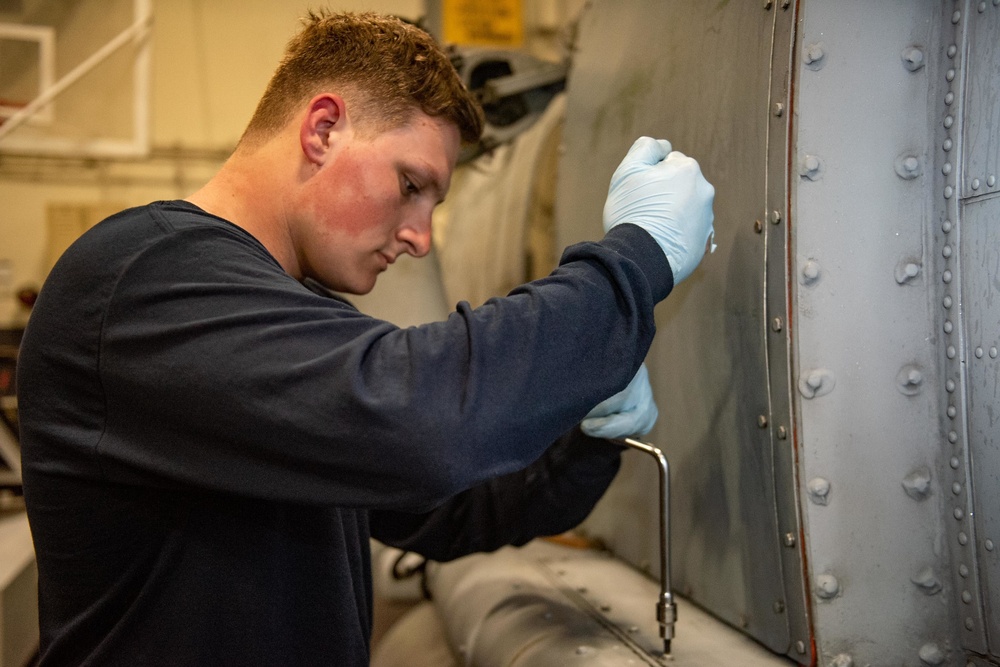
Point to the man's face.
(372, 200)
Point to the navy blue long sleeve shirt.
(208, 444)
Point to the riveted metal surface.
(699, 74)
(974, 325)
(980, 266)
(863, 332)
(981, 160)
(964, 284)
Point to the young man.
(210, 439)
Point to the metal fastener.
(779, 606)
(776, 324)
(989, 545)
(819, 490)
(813, 56)
(775, 217)
(782, 433)
(810, 167)
(913, 58)
(826, 586)
(762, 421)
(918, 483)
(757, 226)
(789, 539)
(779, 108)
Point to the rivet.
(927, 581)
(810, 167)
(827, 586)
(963, 539)
(813, 56)
(956, 17)
(952, 50)
(949, 98)
(996, 3)
(950, 75)
(946, 168)
(982, 7)
(817, 382)
(946, 251)
(946, 226)
(778, 108)
(810, 272)
(789, 539)
(583, 650)
(775, 217)
(969, 623)
(633, 629)
(908, 166)
(949, 120)
(605, 608)
(950, 352)
(918, 483)
(819, 490)
(966, 597)
(956, 488)
(958, 513)
(909, 380)
(785, 4)
(762, 421)
(782, 433)
(768, 4)
(947, 302)
(842, 660)
(776, 324)
(953, 462)
(979, 353)
(779, 606)
(949, 386)
(947, 145)
(913, 58)
(989, 545)
(948, 191)
(930, 653)
(963, 571)
(993, 353)
(800, 646)
(952, 411)
(975, 184)
(757, 226)
(946, 276)
(991, 181)
(948, 326)
(952, 437)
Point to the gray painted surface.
(699, 74)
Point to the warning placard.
(497, 23)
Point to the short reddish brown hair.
(386, 67)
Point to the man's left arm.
(551, 496)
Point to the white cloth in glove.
(663, 191)
(629, 412)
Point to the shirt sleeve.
(220, 371)
(551, 496)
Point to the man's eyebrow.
(430, 179)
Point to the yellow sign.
(497, 23)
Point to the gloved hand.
(629, 412)
(663, 192)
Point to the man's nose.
(416, 236)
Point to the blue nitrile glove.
(663, 192)
(629, 412)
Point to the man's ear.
(325, 119)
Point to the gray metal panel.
(698, 74)
(981, 301)
(959, 101)
(873, 465)
(981, 171)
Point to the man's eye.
(409, 187)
